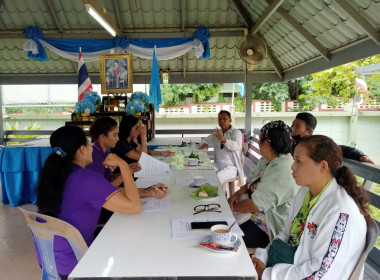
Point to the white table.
(141, 246)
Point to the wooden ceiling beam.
(360, 20)
(244, 13)
(271, 58)
(75, 65)
(101, 34)
(116, 7)
(183, 14)
(54, 15)
(308, 37)
(247, 17)
(266, 15)
(183, 18)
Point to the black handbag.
(280, 252)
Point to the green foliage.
(35, 126)
(207, 91)
(37, 109)
(175, 94)
(278, 92)
(239, 103)
(337, 82)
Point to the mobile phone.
(206, 225)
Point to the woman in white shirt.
(327, 222)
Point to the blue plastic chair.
(43, 233)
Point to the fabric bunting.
(155, 90)
(92, 48)
(84, 82)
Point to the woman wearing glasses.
(270, 188)
(227, 143)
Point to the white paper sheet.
(146, 182)
(187, 181)
(150, 204)
(151, 167)
(181, 227)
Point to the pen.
(148, 189)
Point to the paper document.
(146, 182)
(187, 181)
(181, 227)
(153, 204)
(151, 167)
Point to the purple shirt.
(83, 197)
(98, 157)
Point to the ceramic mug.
(221, 235)
(199, 180)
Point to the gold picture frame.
(116, 73)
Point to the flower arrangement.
(89, 103)
(139, 95)
(138, 103)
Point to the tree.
(278, 92)
(336, 82)
(175, 94)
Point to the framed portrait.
(116, 73)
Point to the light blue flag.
(241, 88)
(155, 90)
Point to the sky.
(16, 94)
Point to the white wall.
(336, 127)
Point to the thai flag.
(84, 82)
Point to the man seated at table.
(227, 143)
(304, 125)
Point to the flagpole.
(154, 96)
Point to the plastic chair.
(43, 234)
(229, 185)
(370, 241)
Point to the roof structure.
(302, 36)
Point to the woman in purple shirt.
(105, 134)
(70, 192)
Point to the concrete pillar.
(248, 107)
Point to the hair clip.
(59, 151)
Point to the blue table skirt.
(19, 171)
(20, 168)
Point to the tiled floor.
(17, 257)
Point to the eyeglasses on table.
(213, 207)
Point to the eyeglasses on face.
(214, 207)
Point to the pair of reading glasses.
(207, 208)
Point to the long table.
(141, 246)
(20, 166)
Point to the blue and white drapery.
(161, 49)
(92, 48)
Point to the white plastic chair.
(43, 233)
(371, 238)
